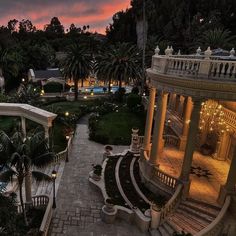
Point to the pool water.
(99, 90)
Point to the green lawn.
(115, 128)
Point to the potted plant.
(107, 151)
(97, 171)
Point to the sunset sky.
(96, 13)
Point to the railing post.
(155, 216)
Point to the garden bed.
(110, 182)
(127, 185)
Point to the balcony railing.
(195, 67)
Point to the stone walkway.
(78, 202)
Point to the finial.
(157, 50)
(208, 53)
(167, 51)
(232, 52)
(198, 51)
(179, 53)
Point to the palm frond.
(39, 176)
(7, 175)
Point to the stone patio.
(207, 173)
(78, 202)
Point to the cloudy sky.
(96, 13)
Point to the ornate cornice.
(196, 88)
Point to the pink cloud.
(97, 14)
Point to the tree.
(77, 65)
(55, 27)
(18, 155)
(26, 26)
(217, 38)
(120, 62)
(11, 25)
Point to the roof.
(36, 114)
(47, 74)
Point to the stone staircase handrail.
(171, 140)
(62, 155)
(37, 201)
(44, 227)
(215, 227)
(172, 204)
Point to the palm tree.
(18, 155)
(217, 38)
(121, 62)
(77, 65)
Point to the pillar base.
(107, 215)
(222, 195)
(183, 141)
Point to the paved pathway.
(78, 202)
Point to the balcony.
(197, 76)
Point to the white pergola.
(26, 111)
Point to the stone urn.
(109, 205)
(97, 171)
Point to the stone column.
(230, 184)
(149, 120)
(190, 146)
(46, 133)
(186, 122)
(23, 126)
(173, 102)
(158, 142)
(221, 147)
(181, 106)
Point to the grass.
(115, 127)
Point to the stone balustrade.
(37, 201)
(165, 179)
(171, 140)
(216, 226)
(63, 154)
(172, 204)
(229, 117)
(195, 67)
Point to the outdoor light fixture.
(42, 92)
(67, 137)
(85, 97)
(92, 94)
(54, 176)
(23, 80)
(67, 113)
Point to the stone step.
(194, 217)
(175, 227)
(203, 207)
(204, 204)
(155, 232)
(168, 228)
(163, 231)
(183, 223)
(197, 213)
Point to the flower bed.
(127, 185)
(110, 182)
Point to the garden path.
(78, 202)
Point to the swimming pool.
(100, 89)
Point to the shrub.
(135, 90)
(97, 170)
(133, 100)
(53, 87)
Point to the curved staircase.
(191, 216)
